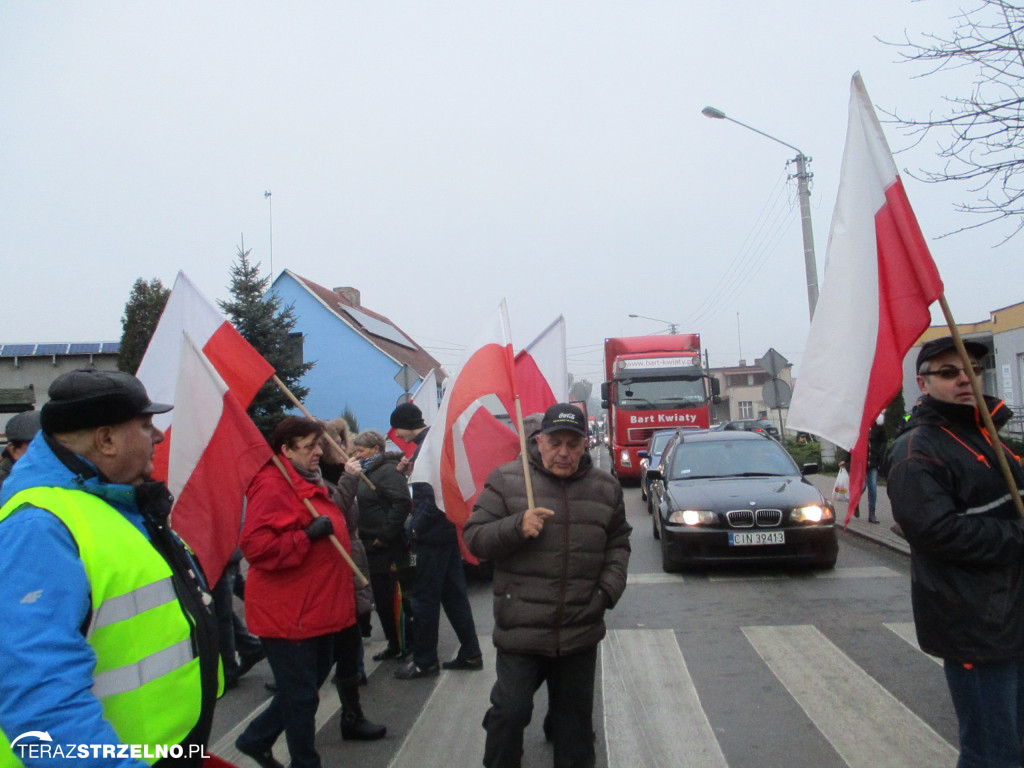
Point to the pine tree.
(141, 314)
(269, 327)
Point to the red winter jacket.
(295, 589)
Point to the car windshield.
(658, 394)
(658, 443)
(730, 458)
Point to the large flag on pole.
(879, 283)
(542, 375)
(241, 367)
(193, 450)
(216, 452)
(467, 439)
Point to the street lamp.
(673, 328)
(803, 192)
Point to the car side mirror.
(654, 474)
(809, 469)
(643, 454)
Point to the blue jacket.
(46, 665)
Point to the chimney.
(350, 294)
(743, 363)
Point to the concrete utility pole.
(803, 179)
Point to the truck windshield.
(660, 394)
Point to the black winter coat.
(382, 513)
(966, 538)
(551, 592)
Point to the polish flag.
(216, 452)
(241, 367)
(424, 398)
(466, 439)
(879, 283)
(542, 375)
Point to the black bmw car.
(737, 496)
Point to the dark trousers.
(989, 703)
(232, 632)
(300, 668)
(383, 587)
(441, 582)
(348, 652)
(570, 708)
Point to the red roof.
(371, 326)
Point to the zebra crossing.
(654, 715)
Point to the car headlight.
(624, 459)
(692, 517)
(815, 513)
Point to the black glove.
(320, 528)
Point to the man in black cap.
(440, 579)
(108, 633)
(967, 551)
(20, 430)
(558, 566)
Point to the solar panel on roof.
(111, 347)
(15, 350)
(51, 349)
(90, 348)
(379, 328)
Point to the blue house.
(360, 355)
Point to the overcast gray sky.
(442, 155)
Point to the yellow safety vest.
(147, 675)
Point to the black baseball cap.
(87, 398)
(564, 416)
(936, 347)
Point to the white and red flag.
(542, 375)
(241, 367)
(189, 450)
(879, 283)
(473, 431)
(216, 452)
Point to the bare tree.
(981, 135)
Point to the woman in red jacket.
(299, 593)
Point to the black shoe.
(362, 679)
(874, 520)
(271, 686)
(249, 660)
(856, 512)
(405, 655)
(411, 672)
(264, 758)
(474, 664)
(362, 730)
(391, 652)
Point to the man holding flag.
(967, 553)
(559, 564)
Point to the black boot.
(355, 727)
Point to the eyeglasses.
(305, 447)
(950, 372)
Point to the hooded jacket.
(551, 592)
(966, 538)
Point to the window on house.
(746, 409)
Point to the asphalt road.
(750, 668)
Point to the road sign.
(406, 378)
(776, 393)
(772, 362)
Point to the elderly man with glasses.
(967, 552)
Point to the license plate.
(756, 538)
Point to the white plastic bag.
(841, 490)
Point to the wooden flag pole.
(312, 510)
(526, 459)
(334, 444)
(986, 417)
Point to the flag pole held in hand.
(301, 407)
(312, 510)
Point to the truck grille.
(748, 518)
